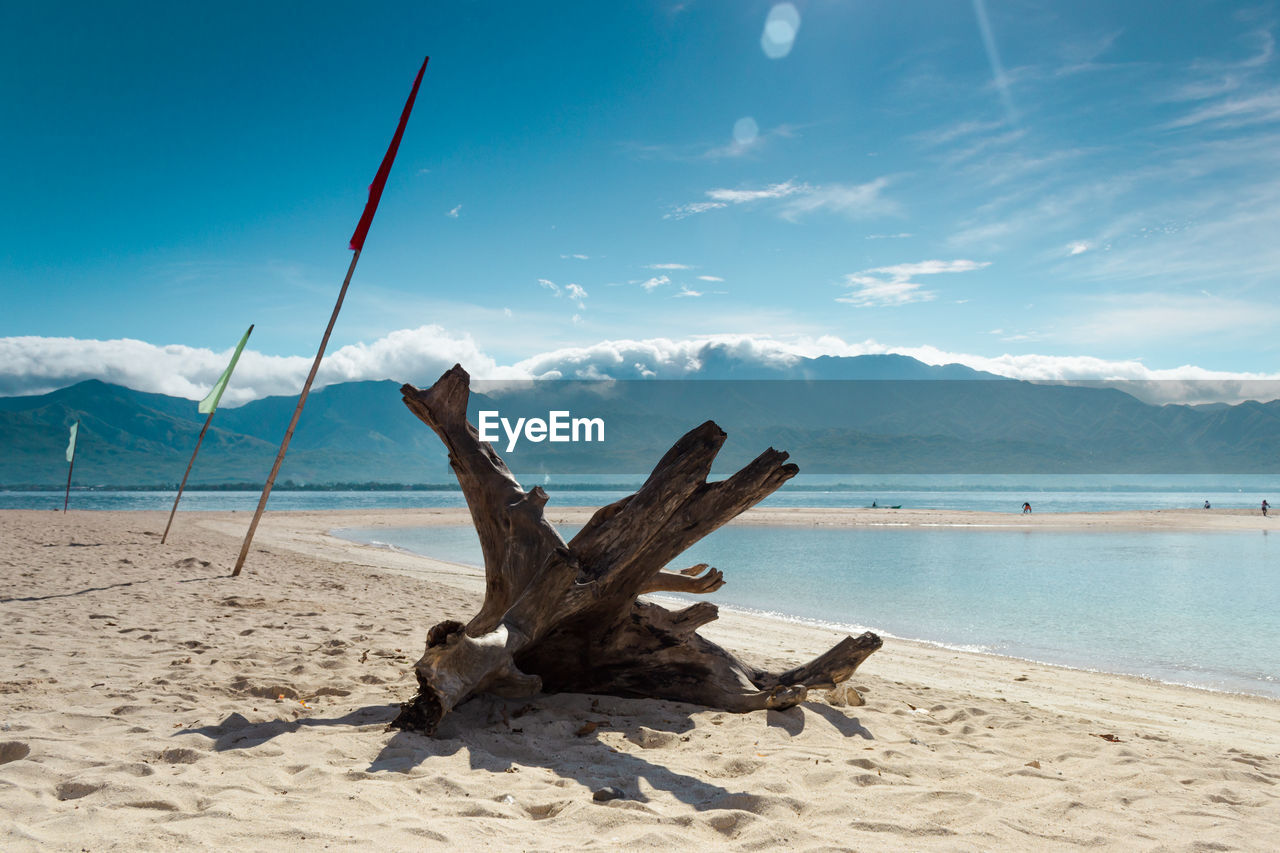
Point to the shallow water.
(986, 492)
(1200, 608)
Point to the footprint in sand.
(180, 755)
(730, 823)
(13, 750)
(75, 790)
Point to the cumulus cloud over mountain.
(34, 365)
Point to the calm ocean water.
(999, 493)
(1199, 608)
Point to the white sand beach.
(148, 701)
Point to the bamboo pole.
(70, 467)
(293, 423)
(173, 511)
(356, 245)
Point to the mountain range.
(865, 414)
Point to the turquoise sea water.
(999, 493)
(1199, 608)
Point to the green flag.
(71, 447)
(210, 403)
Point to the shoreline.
(1128, 522)
(783, 620)
(311, 531)
(1154, 520)
(153, 703)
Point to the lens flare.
(780, 29)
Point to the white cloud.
(781, 190)
(668, 267)
(654, 283)
(576, 257)
(686, 210)
(454, 213)
(34, 365)
(685, 291)
(899, 236)
(660, 358)
(1079, 247)
(799, 199)
(1258, 108)
(850, 199)
(892, 285)
(872, 292)
(663, 358)
(710, 278)
(1223, 238)
(1200, 90)
(577, 294)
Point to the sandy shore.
(150, 702)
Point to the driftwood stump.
(565, 617)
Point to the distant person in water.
(1026, 508)
(1206, 505)
(1264, 506)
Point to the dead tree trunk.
(565, 617)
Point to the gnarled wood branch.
(565, 616)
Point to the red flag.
(380, 179)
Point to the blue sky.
(1044, 189)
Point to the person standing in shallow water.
(1026, 508)
(1264, 506)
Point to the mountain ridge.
(872, 414)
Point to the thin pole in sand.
(293, 422)
(356, 246)
(210, 405)
(71, 463)
(174, 511)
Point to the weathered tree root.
(565, 617)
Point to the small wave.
(386, 546)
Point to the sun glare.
(780, 30)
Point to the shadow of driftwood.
(497, 737)
(237, 732)
(559, 733)
(846, 725)
(791, 720)
(568, 739)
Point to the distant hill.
(866, 414)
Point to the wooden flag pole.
(173, 511)
(293, 423)
(208, 405)
(356, 245)
(71, 467)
